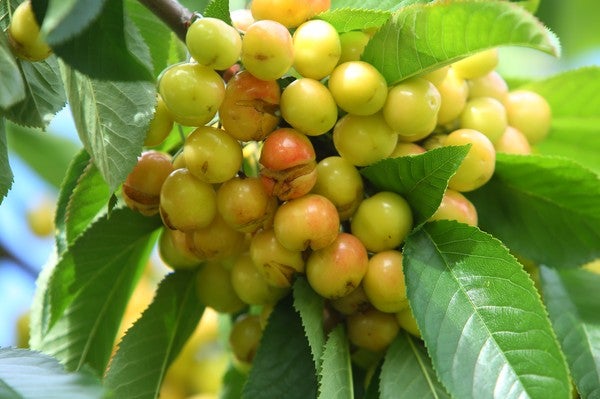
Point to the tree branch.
(172, 13)
(5, 254)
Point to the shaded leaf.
(480, 316)
(64, 19)
(347, 19)
(12, 88)
(44, 94)
(30, 143)
(575, 130)
(151, 345)
(26, 374)
(6, 175)
(420, 179)
(336, 371)
(421, 37)
(543, 208)
(89, 53)
(233, 383)
(573, 302)
(218, 9)
(112, 119)
(83, 300)
(407, 371)
(309, 305)
(282, 367)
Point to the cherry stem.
(172, 13)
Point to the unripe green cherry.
(212, 155)
(490, 85)
(364, 140)
(309, 221)
(191, 92)
(453, 91)
(277, 264)
(513, 142)
(403, 149)
(435, 140)
(486, 115)
(245, 204)
(384, 282)
(173, 249)
(412, 107)
(317, 49)
(455, 206)
(267, 50)
(213, 43)
(142, 187)
(337, 269)
(382, 221)
(214, 289)
(353, 44)
(478, 165)
(251, 286)
(358, 88)
(477, 65)
(24, 35)
(407, 322)
(372, 329)
(160, 125)
(530, 113)
(187, 203)
(355, 301)
(250, 108)
(217, 241)
(308, 106)
(340, 182)
(244, 337)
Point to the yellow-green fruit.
(407, 321)
(353, 44)
(24, 35)
(384, 282)
(373, 330)
(477, 65)
(214, 289)
(191, 92)
(244, 337)
(213, 43)
(160, 125)
(478, 165)
(358, 88)
(251, 286)
(530, 113)
(267, 50)
(454, 91)
(455, 206)
(317, 49)
(485, 114)
(513, 142)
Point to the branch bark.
(171, 12)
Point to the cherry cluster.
(267, 185)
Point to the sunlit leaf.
(26, 374)
(310, 307)
(347, 19)
(543, 208)
(482, 320)
(6, 175)
(151, 345)
(336, 370)
(422, 37)
(375, 4)
(218, 9)
(573, 302)
(85, 296)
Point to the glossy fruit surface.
(477, 65)
(267, 50)
(142, 187)
(530, 113)
(478, 165)
(24, 35)
(251, 286)
(160, 125)
(358, 88)
(513, 142)
(277, 264)
(213, 43)
(244, 337)
(214, 289)
(317, 49)
(384, 282)
(486, 115)
(372, 329)
(455, 206)
(308, 106)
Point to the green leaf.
(283, 367)
(44, 94)
(30, 143)
(218, 9)
(26, 374)
(88, 200)
(480, 316)
(112, 119)
(347, 19)
(420, 179)
(6, 175)
(84, 298)
(156, 34)
(110, 38)
(543, 208)
(573, 302)
(421, 38)
(64, 19)
(575, 130)
(75, 170)
(336, 371)
(151, 345)
(407, 371)
(233, 383)
(374, 4)
(12, 87)
(309, 305)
